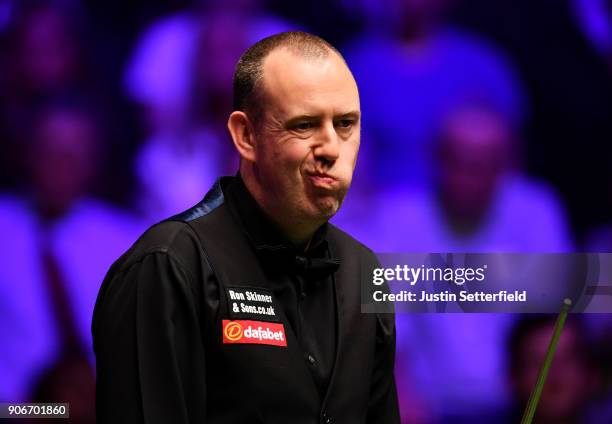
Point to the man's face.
(63, 159)
(307, 139)
(473, 156)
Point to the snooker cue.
(532, 404)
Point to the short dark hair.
(249, 70)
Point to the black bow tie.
(316, 268)
(287, 260)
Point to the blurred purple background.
(487, 127)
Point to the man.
(246, 308)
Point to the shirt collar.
(263, 233)
(270, 243)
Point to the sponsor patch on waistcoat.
(253, 332)
(251, 303)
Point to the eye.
(303, 126)
(345, 123)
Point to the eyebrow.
(352, 114)
(303, 118)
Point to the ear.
(242, 132)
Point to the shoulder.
(173, 239)
(162, 263)
(179, 236)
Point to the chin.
(321, 206)
(327, 208)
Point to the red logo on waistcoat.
(253, 332)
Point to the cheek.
(294, 154)
(285, 157)
(348, 159)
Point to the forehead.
(294, 84)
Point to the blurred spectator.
(572, 379)
(480, 199)
(48, 50)
(478, 203)
(560, 49)
(42, 55)
(181, 74)
(411, 74)
(59, 242)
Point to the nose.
(327, 144)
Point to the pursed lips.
(322, 180)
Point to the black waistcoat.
(270, 384)
(244, 383)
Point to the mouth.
(322, 180)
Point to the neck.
(297, 230)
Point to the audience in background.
(59, 243)
(479, 202)
(559, 48)
(48, 49)
(42, 55)
(410, 73)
